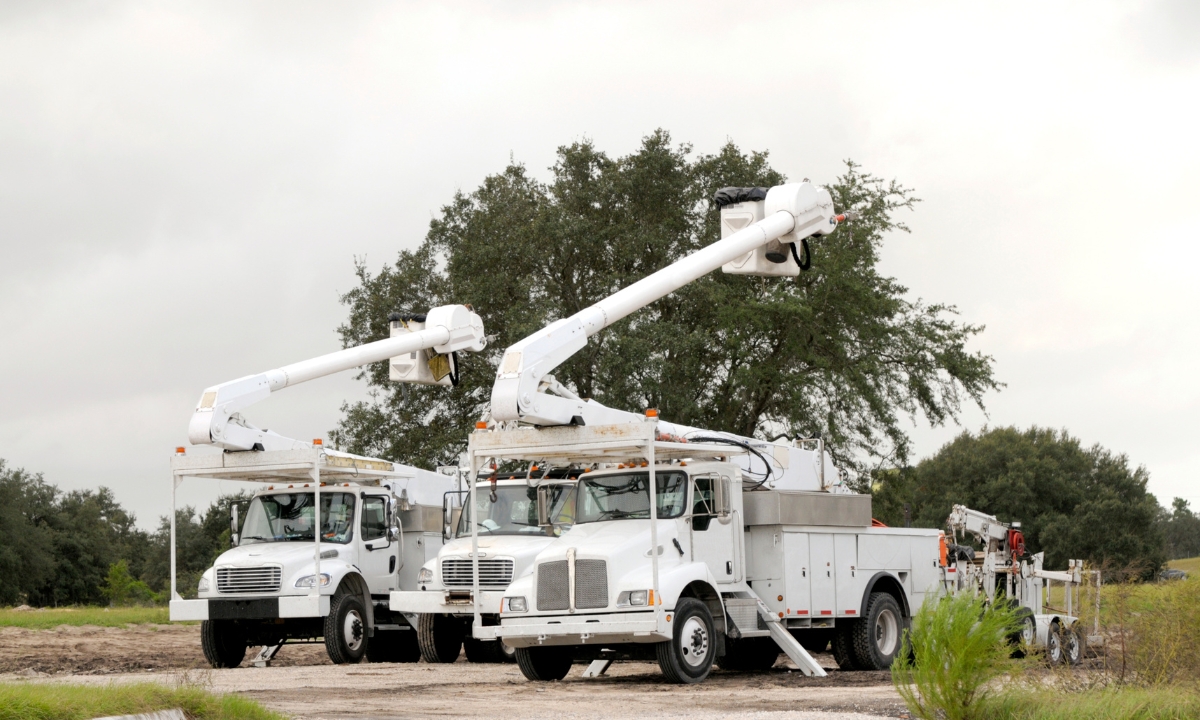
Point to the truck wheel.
(688, 656)
(223, 643)
(440, 637)
(394, 646)
(1054, 645)
(1026, 636)
(346, 630)
(544, 664)
(843, 644)
(877, 635)
(754, 654)
(1073, 645)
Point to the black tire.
(878, 636)
(394, 646)
(1073, 645)
(223, 642)
(440, 637)
(508, 653)
(1026, 635)
(544, 664)
(1054, 645)
(756, 654)
(346, 630)
(843, 644)
(688, 656)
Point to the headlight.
(307, 580)
(514, 604)
(632, 598)
(203, 585)
(425, 576)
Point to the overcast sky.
(184, 189)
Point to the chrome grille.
(497, 573)
(235, 580)
(553, 592)
(591, 584)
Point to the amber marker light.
(180, 450)
(652, 412)
(317, 442)
(481, 425)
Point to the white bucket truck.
(510, 536)
(296, 574)
(729, 558)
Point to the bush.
(1153, 629)
(959, 646)
(1110, 704)
(122, 589)
(59, 701)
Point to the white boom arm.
(791, 212)
(983, 526)
(216, 421)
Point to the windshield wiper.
(256, 537)
(620, 514)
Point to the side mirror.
(233, 525)
(393, 531)
(543, 506)
(721, 496)
(447, 518)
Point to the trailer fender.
(888, 583)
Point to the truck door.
(712, 540)
(820, 548)
(377, 555)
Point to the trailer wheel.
(394, 646)
(1025, 637)
(1073, 645)
(544, 664)
(1054, 644)
(843, 644)
(877, 636)
(487, 651)
(441, 637)
(346, 629)
(223, 642)
(754, 654)
(688, 656)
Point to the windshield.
(615, 497)
(285, 517)
(515, 511)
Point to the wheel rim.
(1027, 631)
(1072, 648)
(352, 631)
(887, 632)
(1055, 646)
(693, 641)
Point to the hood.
(614, 540)
(287, 554)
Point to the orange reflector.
(668, 618)
(651, 597)
(780, 615)
(826, 612)
(317, 441)
(851, 612)
(533, 469)
(780, 598)
(651, 412)
(801, 612)
(481, 425)
(180, 450)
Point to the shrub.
(959, 646)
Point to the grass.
(1191, 566)
(1111, 704)
(28, 701)
(47, 618)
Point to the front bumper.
(284, 606)
(613, 628)
(445, 602)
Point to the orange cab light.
(180, 450)
(682, 463)
(651, 412)
(322, 484)
(270, 487)
(317, 441)
(291, 486)
(345, 484)
(481, 425)
(645, 464)
(533, 469)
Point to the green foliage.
(59, 701)
(1154, 627)
(1180, 528)
(959, 647)
(1097, 704)
(47, 618)
(26, 555)
(121, 588)
(839, 350)
(1072, 502)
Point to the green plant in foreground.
(959, 646)
(57, 701)
(1108, 704)
(49, 618)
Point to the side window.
(373, 523)
(702, 503)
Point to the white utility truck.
(691, 546)
(1000, 574)
(510, 537)
(296, 574)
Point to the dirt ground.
(303, 683)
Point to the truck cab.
(296, 574)
(510, 537)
